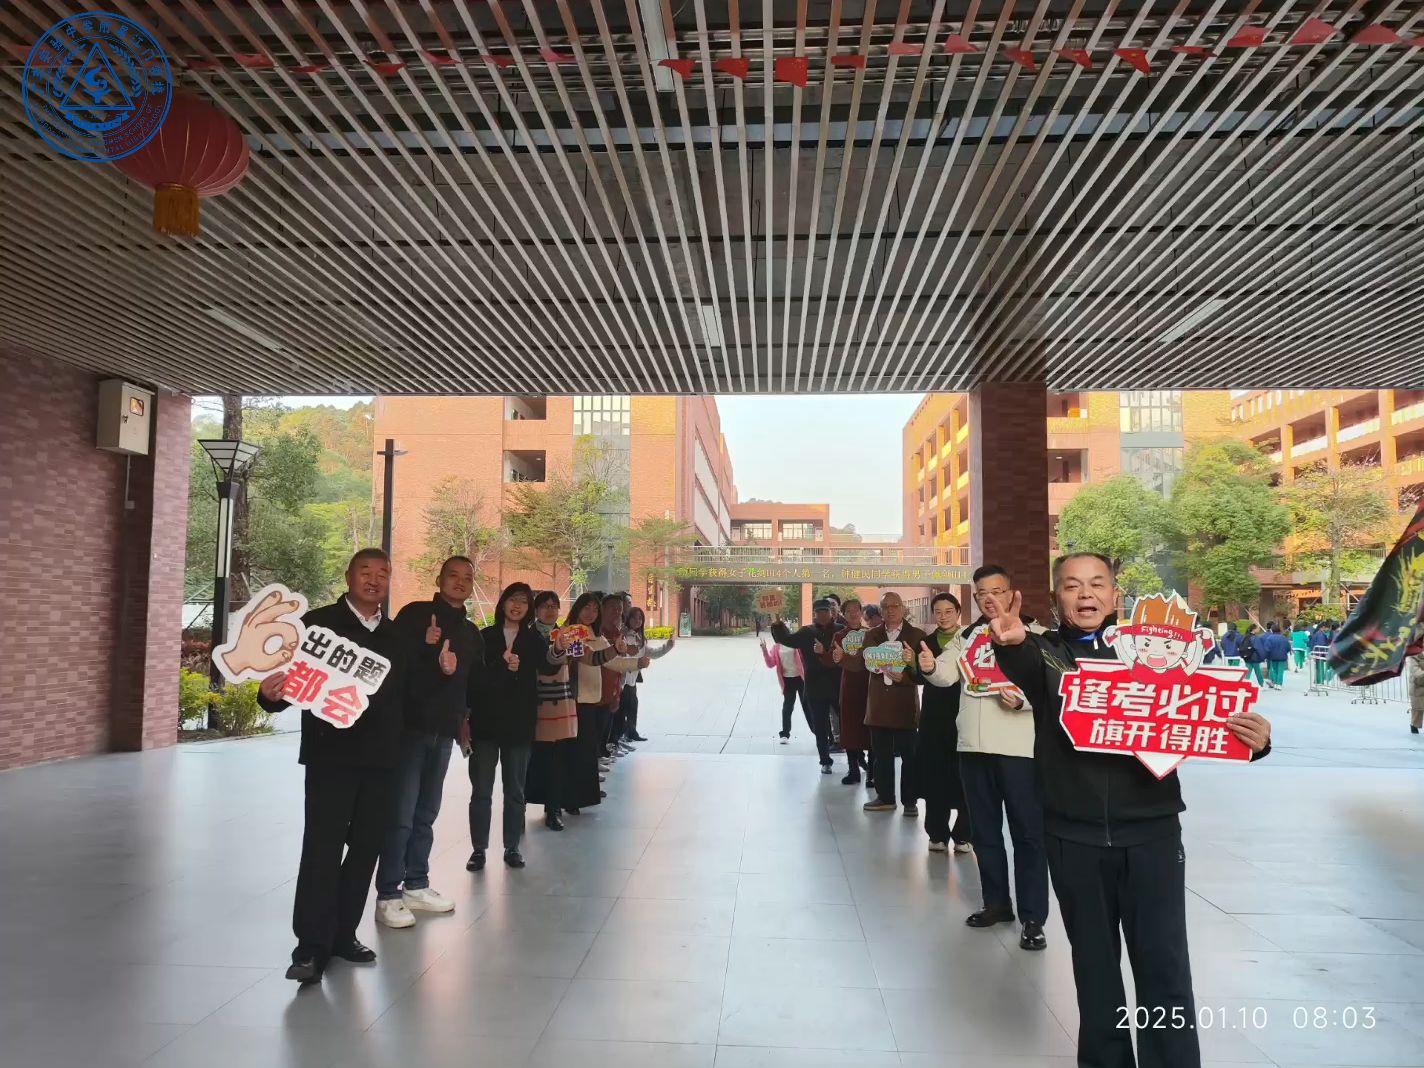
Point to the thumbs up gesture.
(448, 662)
(819, 648)
(927, 658)
(837, 654)
(432, 632)
(511, 661)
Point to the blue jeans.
(419, 786)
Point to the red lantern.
(197, 152)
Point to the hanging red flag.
(737, 68)
(957, 45)
(1415, 42)
(1022, 56)
(1376, 35)
(683, 67)
(905, 48)
(1134, 57)
(501, 62)
(254, 60)
(439, 60)
(1192, 50)
(1080, 56)
(858, 62)
(551, 56)
(1247, 37)
(1313, 32)
(386, 70)
(204, 64)
(793, 69)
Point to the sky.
(844, 451)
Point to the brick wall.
(61, 512)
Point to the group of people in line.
(1267, 651)
(1102, 827)
(547, 704)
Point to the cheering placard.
(891, 655)
(853, 642)
(575, 634)
(771, 601)
(1157, 703)
(978, 667)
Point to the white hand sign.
(265, 640)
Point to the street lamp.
(231, 462)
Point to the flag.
(1388, 623)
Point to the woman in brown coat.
(553, 778)
(855, 736)
(892, 710)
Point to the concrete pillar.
(807, 600)
(148, 628)
(1008, 486)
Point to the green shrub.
(237, 711)
(656, 634)
(193, 697)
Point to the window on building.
(524, 465)
(799, 531)
(1156, 469)
(754, 531)
(609, 421)
(1150, 410)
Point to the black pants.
(993, 785)
(605, 727)
(791, 689)
(630, 711)
(347, 809)
(513, 763)
(937, 770)
(888, 743)
(1136, 891)
(818, 718)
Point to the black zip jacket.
(373, 741)
(823, 681)
(437, 702)
(1099, 799)
(504, 704)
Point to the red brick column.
(1008, 487)
(148, 626)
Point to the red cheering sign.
(978, 666)
(1156, 703)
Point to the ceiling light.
(1206, 311)
(711, 326)
(651, 14)
(247, 331)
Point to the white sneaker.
(938, 847)
(964, 847)
(393, 913)
(427, 900)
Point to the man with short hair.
(1113, 836)
(349, 773)
(995, 738)
(892, 708)
(445, 649)
(838, 622)
(823, 676)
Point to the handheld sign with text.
(1157, 702)
(327, 674)
(853, 642)
(575, 634)
(978, 667)
(771, 600)
(891, 655)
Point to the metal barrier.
(1323, 681)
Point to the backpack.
(1247, 649)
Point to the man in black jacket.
(445, 647)
(1113, 836)
(348, 779)
(823, 677)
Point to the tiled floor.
(727, 906)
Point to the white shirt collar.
(369, 622)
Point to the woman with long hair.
(635, 639)
(597, 654)
(553, 780)
(503, 714)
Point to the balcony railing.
(1303, 447)
(1358, 430)
(1274, 457)
(1408, 413)
(1412, 466)
(861, 553)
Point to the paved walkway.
(722, 908)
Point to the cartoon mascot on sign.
(1162, 636)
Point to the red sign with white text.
(978, 666)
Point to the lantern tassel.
(175, 210)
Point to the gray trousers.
(513, 761)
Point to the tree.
(1126, 522)
(845, 533)
(1226, 519)
(456, 525)
(652, 542)
(563, 524)
(735, 601)
(1338, 513)
(1140, 579)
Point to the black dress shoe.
(513, 858)
(1032, 937)
(305, 970)
(634, 736)
(987, 917)
(850, 780)
(355, 952)
(571, 811)
(476, 861)
(1413, 730)
(552, 821)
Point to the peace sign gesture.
(1007, 628)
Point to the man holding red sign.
(1113, 832)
